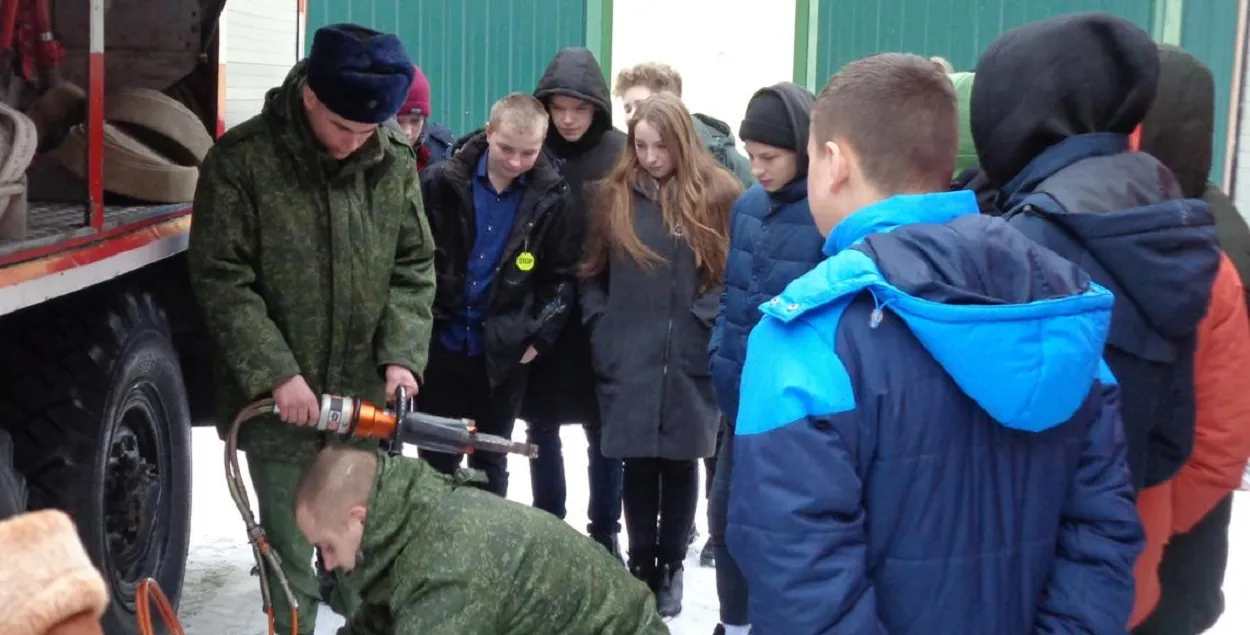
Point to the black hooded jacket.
(1178, 131)
(1039, 90)
(775, 241)
(1056, 145)
(561, 385)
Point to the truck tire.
(12, 483)
(98, 412)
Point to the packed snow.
(220, 597)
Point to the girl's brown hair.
(698, 197)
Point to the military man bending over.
(434, 555)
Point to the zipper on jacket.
(668, 335)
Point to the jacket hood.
(713, 133)
(405, 494)
(798, 102)
(437, 133)
(966, 156)
(1179, 126)
(1019, 329)
(575, 72)
(1121, 212)
(1087, 72)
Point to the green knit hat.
(967, 155)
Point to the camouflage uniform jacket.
(303, 264)
(440, 557)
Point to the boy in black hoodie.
(774, 240)
(1056, 148)
(561, 385)
(1178, 131)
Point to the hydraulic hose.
(350, 418)
(149, 589)
(267, 559)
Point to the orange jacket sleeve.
(1222, 422)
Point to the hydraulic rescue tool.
(347, 418)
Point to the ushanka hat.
(359, 74)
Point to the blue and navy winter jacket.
(928, 440)
(773, 240)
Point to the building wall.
(960, 29)
(1208, 30)
(260, 45)
(724, 49)
(472, 51)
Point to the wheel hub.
(133, 496)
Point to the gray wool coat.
(650, 327)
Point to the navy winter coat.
(928, 441)
(772, 241)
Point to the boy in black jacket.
(505, 253)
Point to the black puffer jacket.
(526, 308)
(561, 385)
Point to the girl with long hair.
(652, 279)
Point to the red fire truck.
(103, 367)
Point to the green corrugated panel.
(955, 29)
(1209, 31)
(960, 29)
(472, 51)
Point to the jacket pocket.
(694, 342)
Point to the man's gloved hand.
(397, 376)
(296, 402)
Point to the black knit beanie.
(767, 121)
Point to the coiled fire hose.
(347, 418)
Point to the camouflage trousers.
(274, 483)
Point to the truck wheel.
(12, 483)
(102, 430)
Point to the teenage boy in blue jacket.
(927, 439)
(773, 240)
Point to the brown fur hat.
(47, 582)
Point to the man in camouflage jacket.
(311, 260)
(434, 555)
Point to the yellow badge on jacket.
(525, 261)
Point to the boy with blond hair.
(505, 253)
(927, 438)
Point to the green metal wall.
(1208, 30)
(832, 32)
(475, 51)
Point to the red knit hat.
(418, 102)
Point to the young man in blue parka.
(772, 241)
(927, 439)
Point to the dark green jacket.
(303, 264)
(719, 140)
(440, 557)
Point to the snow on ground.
(221, 598)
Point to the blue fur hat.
(358, 73)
